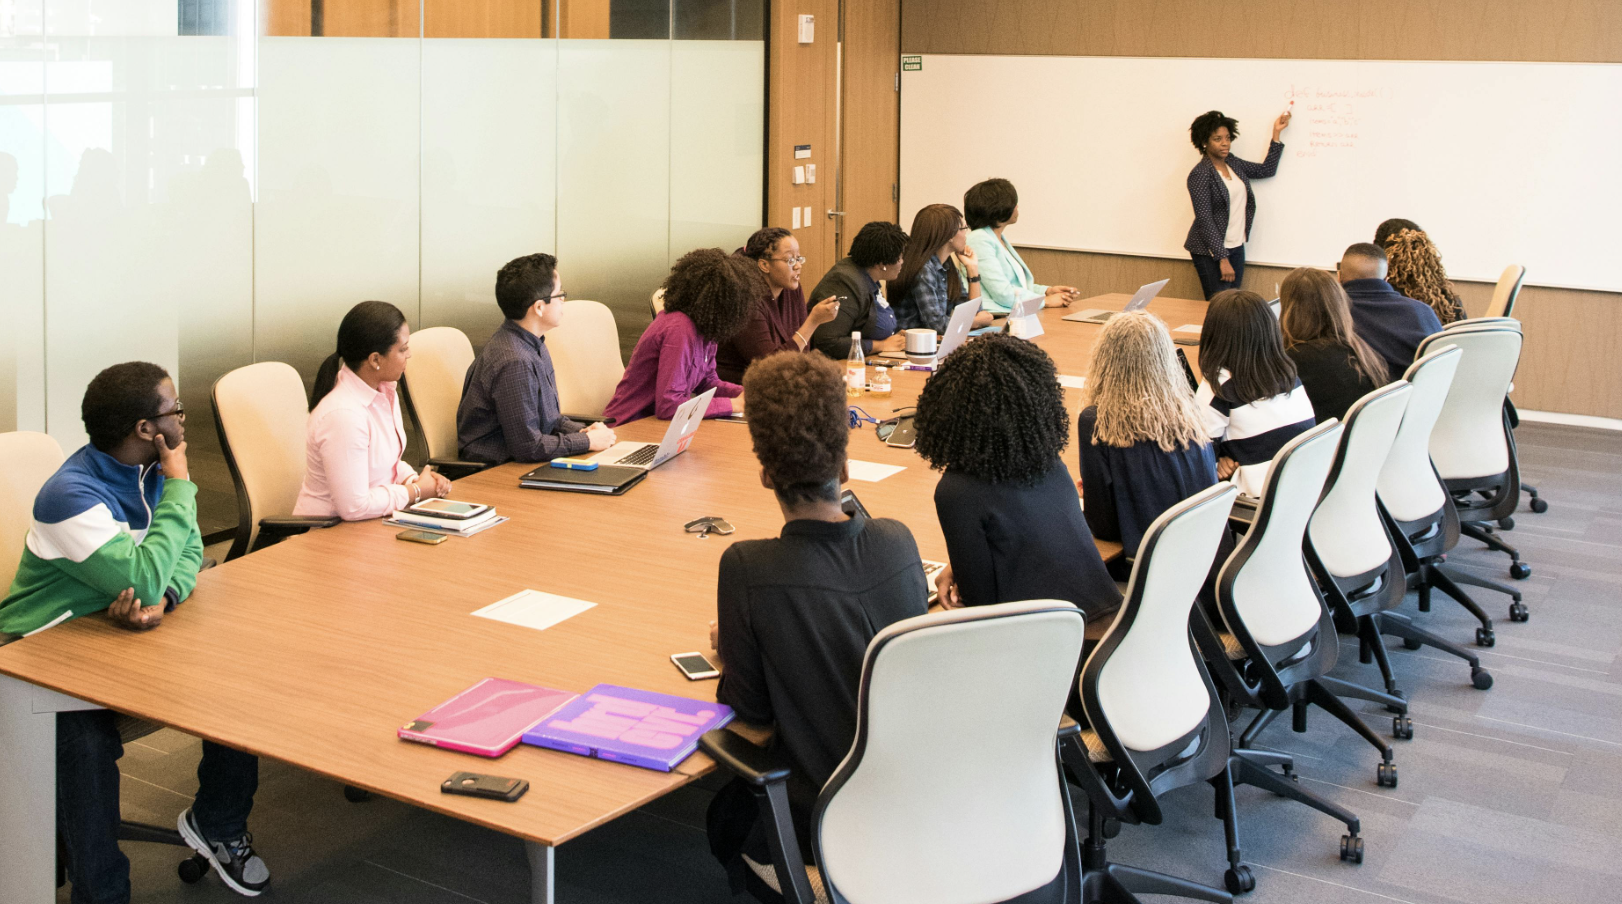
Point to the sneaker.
(234, 860)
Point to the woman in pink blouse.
(356, 436)
(708, 298)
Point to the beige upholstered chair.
(1507, 290)
(262, 413)
(656, 302)
(27, 460)
(440, 357)
(585, 351)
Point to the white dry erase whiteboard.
(1500, 162)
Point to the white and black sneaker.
(234, 860)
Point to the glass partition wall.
(209, 183)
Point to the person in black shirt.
(876, 253)
(795, 614)
(993, 419)
(1335, 365)
(1143, 444)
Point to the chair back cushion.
(1507, 290)
(1269, 586)
(440, 357)
(585, 351)
(1408, 486)
(951, 792)
(1150, 690)
(1346, 530)
(27, 460)
(1468, 439)
(262, 413)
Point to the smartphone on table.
(421, 536)
(695, 666)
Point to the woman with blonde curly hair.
(1144, 447)
(1417, 272)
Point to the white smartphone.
(695, 666)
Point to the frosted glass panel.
(149, 237)
(717, 122)
(112, 18)
(489, 172)
(22, 226)
(614, 191)
(338, 215)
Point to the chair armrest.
(753, 764)
(287, 527)
(586, 419)
(456, 469)
(1068, 728)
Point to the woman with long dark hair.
(1335, 365)
(939, 271)
(356, 435)
(1251, 400)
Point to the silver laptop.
(1140, 300)
(678, 436)
(958, 328)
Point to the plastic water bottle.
(855, 368)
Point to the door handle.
(835, 213)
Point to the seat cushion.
(768, 875)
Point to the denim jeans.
(1210, 271)
(87, 810)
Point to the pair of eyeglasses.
(179, 412)
(706, 526)
(886, 428)
(561, 296)
(791, 261)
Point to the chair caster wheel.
(1518, 612)
(356, 795)
(1112, 827)
(193, 869)
(1402, 728)
(1239, 879)
(1506, 523)
(1481, 678)
(1408, 643)
(1399, 710)
(1520, 571)
(1290, 773)
(1539, 506)
(1486, 638)
(1386, 775)
(1351, 849)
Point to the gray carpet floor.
(1506, 796)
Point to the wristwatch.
(974, 279)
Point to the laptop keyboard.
(642, 456)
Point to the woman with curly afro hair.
(993, 419)
(708, 297)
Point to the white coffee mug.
(921, 342)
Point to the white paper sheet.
(534, 609)
(1188, 328)
(872, 471)
(1069, 382)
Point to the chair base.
(1415, 636)
(1325, 693)
(1482, 531)
(1114, 883)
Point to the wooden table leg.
(27, 796)
(540, 872)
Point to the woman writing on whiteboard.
(1224, 207)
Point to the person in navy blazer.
(1219, 186)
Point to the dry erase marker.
(574, 464)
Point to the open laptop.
(1140, 300)
(958, 328)
(678, 436)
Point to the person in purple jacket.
(708, 298)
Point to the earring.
(376, 366)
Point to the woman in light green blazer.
(990, 207)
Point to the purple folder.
(625, 725)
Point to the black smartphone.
(850, 505)
(1193, 381)
(492, 786)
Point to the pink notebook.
(487, 718)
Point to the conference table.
(314, 651)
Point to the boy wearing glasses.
(115, 530)
(509, 409)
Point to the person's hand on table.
(715, 644)
(1080, 493)
(737, 404)
(128, 613)
(946, 592)
(1280, 124)
(896, 343)
(600, 436)
(1060, 296)
(1225, 467)
(173, 460)
(1226, 268)
(984, 318)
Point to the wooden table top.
(314, 651)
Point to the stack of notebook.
(625, 725)
(609, 480)
(440, 524)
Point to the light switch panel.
(810, 172)
(799, 175)
(796, 218)
(808, 29)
